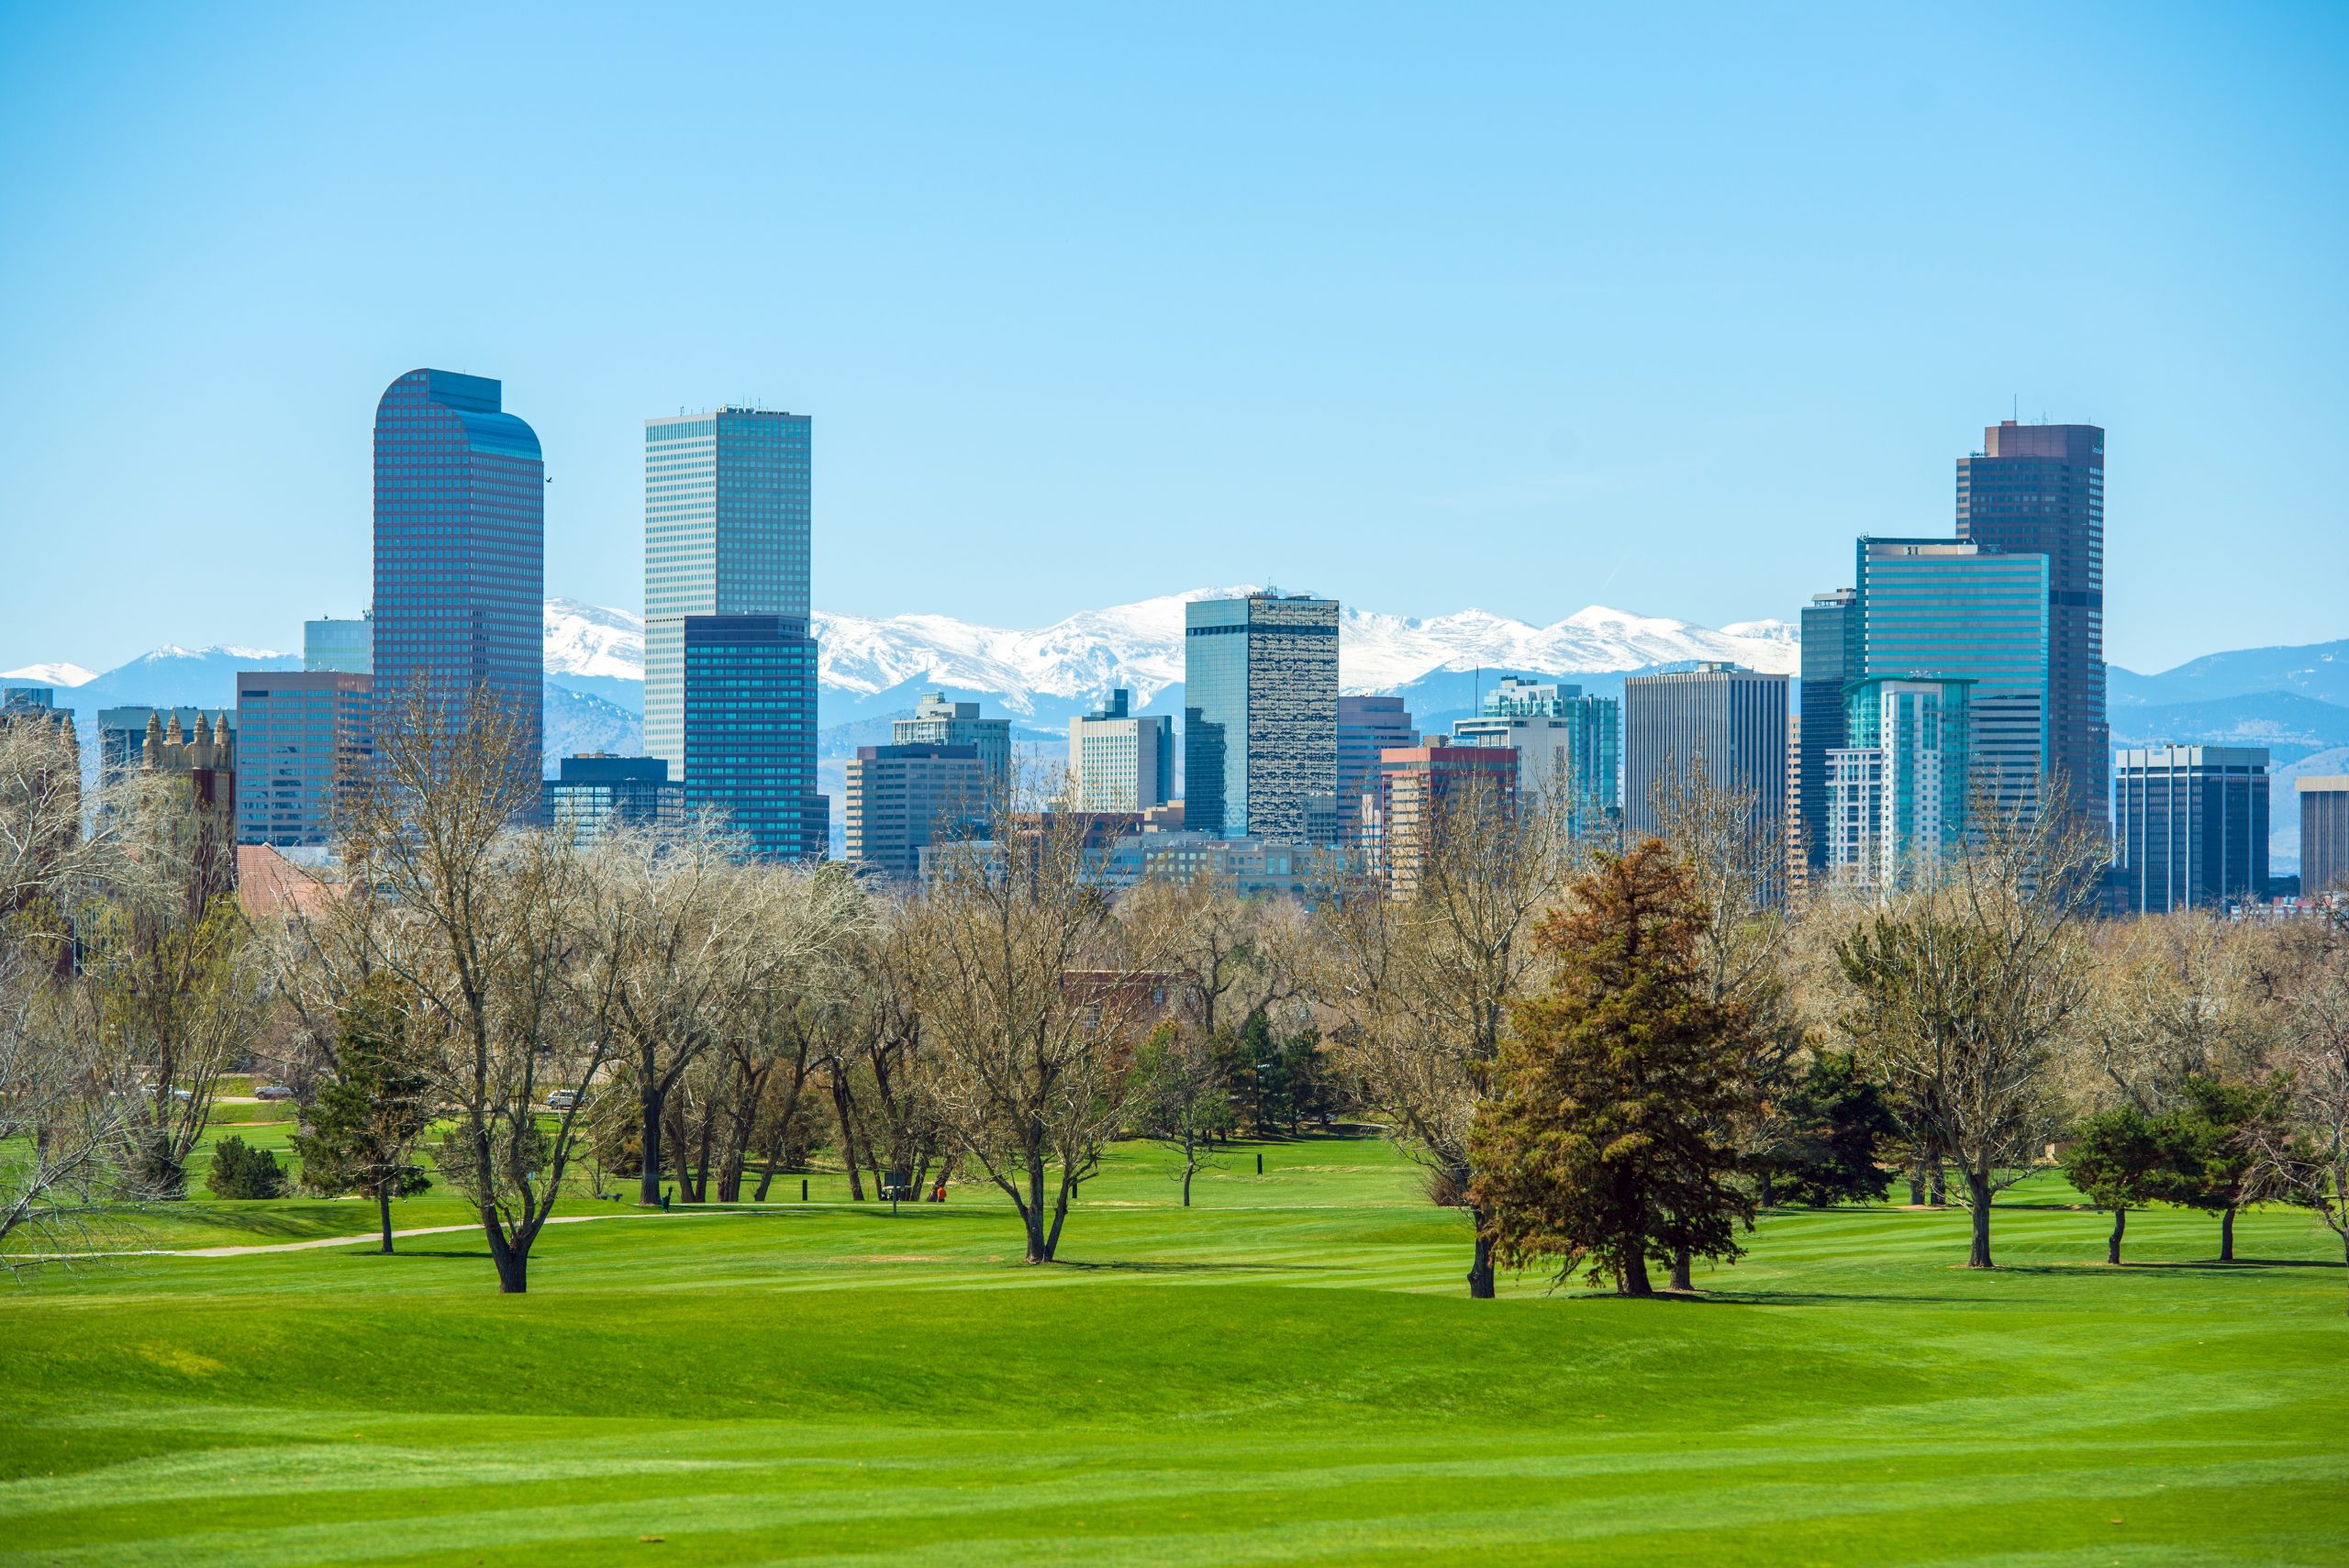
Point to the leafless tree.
(2308, 1160)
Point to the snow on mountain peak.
(591, 640)
(58, 673)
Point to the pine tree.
(2122, 1159)
(364, 1127)
(1602, 1147)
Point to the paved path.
(320, 1241)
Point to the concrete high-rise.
(1260, 717)
(1897, 788)
(1729, 719)
(1366, 727)
(902, 799)
(1419, 784)
(937, 721)
(726, 533)
(2190, 827)
(2324, 833)
(2039, 489)
(1937, 608)
(460, 550)
(1120, 760)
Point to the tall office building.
(750, 738)
(1730, 719)
(1567, 743)
(337, 642)
(2324, 833)
(1260, 717)
(1937, 608)
(726, 533)
(1831, 643)
(901, 799)
(1896, 789)
(2190, 827)
(938, 722)
(594, 790)
(2039, 489)
(1417, 783)
(1366, 727)
(304, 737)
(1120, 760)
(459, 550)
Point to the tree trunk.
(2227, 1236)
(1635, 1276)
(383, 1209)
(1480, 1263)
(1938, 1186)
(1037, 1253)
(2112, 1245)
(1189, 1165)
(1768, 1195)
(849, 1156)
(648, 1185)
(1680, 1280)
(680, 1155)
(701, 1166)
(1916, 1189)
(1978, 1192)
(513, 1263)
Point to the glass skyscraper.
(1566, 742)
(1896, 788)
(1938, 608)
(1260, 717)
(726, 533)
(2039, 489)
(749, 742)
(2190, 827)
(460, 549)
(1830, 643)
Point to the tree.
(1834, 1125)
(362, 1128)
(242, 1171)
(1965, 984)
(2307, 1155)
(1603, 1147)
(2122, 1159)
(1182, 1097)
(2220, 1129)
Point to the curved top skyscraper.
(460, 547)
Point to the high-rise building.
(34, 705)
(460, 550)
(726, 532)
(2190, 827)
(1366, 727)
(901, 799)
(304, 739)
(1416, 784)
(594, 790)
(2324, 833)
(749, 736)
(1897, 788)
(1120, 761)
(1567, 743)
(2039, 489)
(1830, 661)
(122, 736)
(938, 722)
(1260, 717)
(1725, 718)
(1937, 608)
(335, 642)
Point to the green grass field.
(1288, 1373)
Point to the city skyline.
(1607, 320)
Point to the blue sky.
(1421, 307)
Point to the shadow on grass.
(1140, 1266)
(2156, 1266)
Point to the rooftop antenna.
(2018, 398)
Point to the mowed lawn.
(1287, 1372)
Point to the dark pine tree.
(364, 1127)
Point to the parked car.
(562, 1099)
(272, 1092)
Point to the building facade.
(1942, 609)
(306, 737)
(1416, 784)
(1260, 717)
(749, 736)
(1120, 760)
(594, 791)
(2190, 827)
(902, 799)
(122, 736)
(727, 527)
(460, 550)
(2324, 833)
(1568, 743)
(2039, 490)
(1897, 789)
(936, 721)
(1725, 718)
(1830, 661)
(333, 643)
(1366, 727)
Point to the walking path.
(320, 1241)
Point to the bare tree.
(1422, 987)
(2308, 1157)
(486, 921)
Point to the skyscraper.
(1120, 761)
(1367, 726)
(936, 721)
(1937, 608)
(1418, 784)
(1260, 717)
(1730, 719)
(593, 791)
(303, 738)
(459, 550)
(726, 532)
(2324, 833)
(334, 643)
(1567, 743)
(2190, 827)
(1897, 788)
(749, 736)
(1830, 641)
(901, 799)
(2039, 489)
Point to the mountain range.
(2295, 701)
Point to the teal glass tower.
(1896, 788)
(1260, 717)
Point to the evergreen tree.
(2120, 1160)
(1838, 1126)
(240, 1170)
(2219, 1131)
(364, 1126)
(1603, 1147)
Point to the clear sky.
(1424, 307)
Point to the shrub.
(241, 1171)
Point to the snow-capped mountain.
(1040, 673)
(59, 674)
